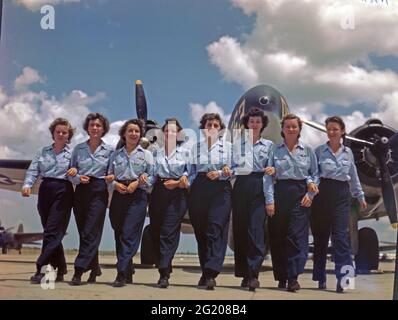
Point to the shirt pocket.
(46, 162)
(345, 166)
(303, 161)
(282, 165)
(328, 166)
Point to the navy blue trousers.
(127, 214)
(89, 207)
(288, 230)
(54, 205)
(209, 211)
(330, 216)
(166, 210)
(249, 216)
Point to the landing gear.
(4, 250)
(367, 258)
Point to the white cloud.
(198, 110)
(29, 76)
(26, 116)
(300, 48)
(35, 5)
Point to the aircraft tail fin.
(20, 228)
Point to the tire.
(367, 258)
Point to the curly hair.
(211, 116)
(62, 122)
(291, 116)
(255, 112)
(123, 129)
(95, 116)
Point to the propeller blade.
(140, 101)
(387, 187)
(1, 16)
(322, 128)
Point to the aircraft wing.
(12, 175)
(28, 237)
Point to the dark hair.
(339, 121)
(95, 116)
(172, 121)
(62, 122)
(255, 112)
(291, 116)
(123, 129)
(211, 116)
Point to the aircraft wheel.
(4, 250)
(148, 254)
(368, 251)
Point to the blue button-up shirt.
(299, 165)
(91, 164)
(249, 158)
(131, 167)
(174, 165)
(204, 160)
(48, 164)
(339, 167)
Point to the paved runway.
(15, 271)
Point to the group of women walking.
(289, 184)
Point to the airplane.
(15, 240)
(375, 149)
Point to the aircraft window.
(264, 101)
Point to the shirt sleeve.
(73, 164)
(313, 176)
(149, 170)
(191, 165)
(354, 183)
(228, 148)
(33, 171)
(111, 170)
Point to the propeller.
(380, 147)
(140, 102)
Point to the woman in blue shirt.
(210, 197)
(252, 197)
(55, 199)
(331, 207)
(168, 203)
(132, 168)
(296, 184)
(91, 160)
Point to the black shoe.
(339, 288)
(163, 282)
(210, 283)
(36, 278)
(129, 280)
(60, 275)
(282, 284)
(76, 280)
(93, 275)
(293, 286)
(120, 281)
(253, 284)
(202, 282)
(245, 282)
(322, 285)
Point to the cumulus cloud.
(301, 48)
(26, 115)
(35, 5)
(198, 110)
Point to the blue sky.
(193, 56)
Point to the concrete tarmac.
(16, 270)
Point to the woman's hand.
(183, 182)
(270, 171)
(71, 172)
(226, 171)
(109, 178)
(84, 179)
(143, 179)
(121, 188)
(26, 192)
(270, 209)
(171, 184)
(312, 187)
(132, 186)
(363, 204)
(306, 201)
(213, 175)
